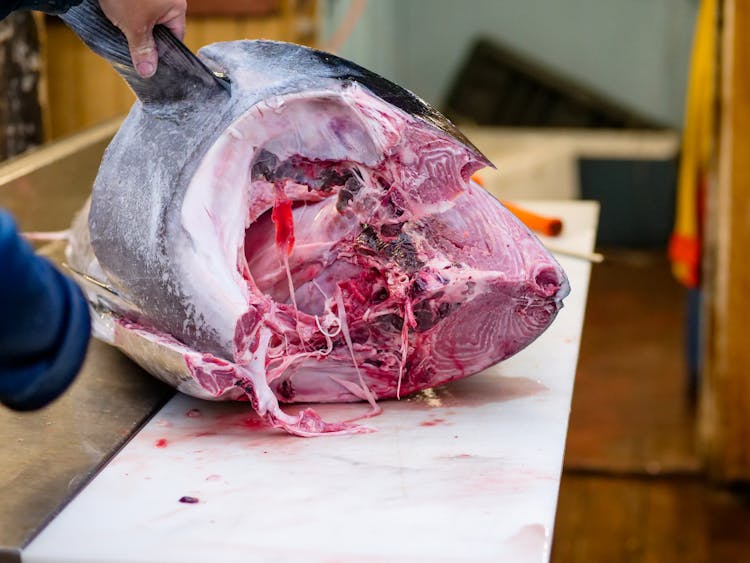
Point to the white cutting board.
(467, 472)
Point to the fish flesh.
(273, 223)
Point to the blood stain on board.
(456, 456)
(252, 422)
(161, 443)
(193, 413)
(432, 422)
(227, 422)
(189, 500)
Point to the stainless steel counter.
(48, 455)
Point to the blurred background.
(635, 53)
(642, 105)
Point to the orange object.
(685, 254)
(477, 178)
(550, 226)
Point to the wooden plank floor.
(632, 487)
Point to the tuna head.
(313, 226)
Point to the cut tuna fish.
(290, 226)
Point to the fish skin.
(131, 214)
(178, 186)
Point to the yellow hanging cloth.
(697, 141)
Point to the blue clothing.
(49, 6)
(44, 317)
(44, 324)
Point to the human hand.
(137, 18)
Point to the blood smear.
(161, 443)
(433, 422)
(284, 221)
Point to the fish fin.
(180, 75)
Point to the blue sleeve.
(49, 6)
(44, 324)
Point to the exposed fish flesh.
(288, 226)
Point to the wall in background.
(635, 52)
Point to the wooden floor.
(632, 487)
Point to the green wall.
(634, 51)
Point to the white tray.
(468, 472)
